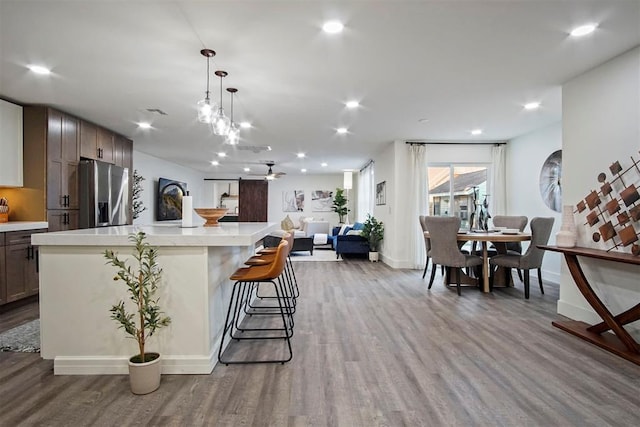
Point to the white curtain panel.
(365, 192)
(418, 202)
(498, 203)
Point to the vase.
(145, 377)
(567, 236)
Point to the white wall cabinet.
(11, 169)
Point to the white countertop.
(22, 225)
(227, 234)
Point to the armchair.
(349, 243)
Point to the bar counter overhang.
(77, 290)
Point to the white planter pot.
(145, 377)
(373, 256)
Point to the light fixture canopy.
(205, 108)
(233, 134)
(220, 121)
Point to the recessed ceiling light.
(303, 170)
(476, 132)
(333, 27)
(245, 125)
(214, 163)
(300, 155)
(39, 69)
(247, 169)
(583, 30)
(268, 148)
(324, 165)
(144, 125)
(222, 154)
(423, 120)
(532, 106)
(352, 104)
(341, 130)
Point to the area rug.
(318, 255)
(24, 338)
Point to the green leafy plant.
(142, 284)
(138, 206)
(373, 231)
(340, 204)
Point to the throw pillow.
(286, 224)
(358, 226)
(343, 229)
(302, 222)
(354, 232)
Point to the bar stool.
(248, 277)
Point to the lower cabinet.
(63, 219)
(3, 272)
(20, 265)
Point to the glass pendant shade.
(221, 123)
(205, 109)
(233, 136)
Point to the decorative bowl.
(211, 215)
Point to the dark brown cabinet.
(62, 161)
(21, 260)
(122, 153)
(63, 219)
(96, 143)
(253, 199)
(3, 272)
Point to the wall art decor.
(169, 200)
(381, 193)
(293, 201)
(613, 211)
(550, 179)
(321, 201)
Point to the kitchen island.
(77, 290)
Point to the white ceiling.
(459, 64)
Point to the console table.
(622, 344)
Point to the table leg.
(485, 268)
(621, 343)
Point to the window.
(453, 189)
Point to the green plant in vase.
(146, 318)
(138, 206)
(373, 231)
(340, 205)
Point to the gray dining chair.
(510, 221)
(532, 258)
(443, 231)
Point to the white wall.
(152, 168)
(601, 124)
(307, 183)
(525, 157)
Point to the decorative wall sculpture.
(613, 211)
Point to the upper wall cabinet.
(96, 143)
(10, 145)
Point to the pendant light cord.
(207, 97)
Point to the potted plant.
(373, 231)
(146, 318)
(138, 206)
(340, 205)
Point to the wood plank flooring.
(372, 347)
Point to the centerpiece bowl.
(211, 215)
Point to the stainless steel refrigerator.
(104, 195)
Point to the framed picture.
(169, 201)
(293, 201)
(321, 201)
(381, 196)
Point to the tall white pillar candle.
(187, 208)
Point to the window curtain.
(418, 202)
(498, 203)
(365, 191)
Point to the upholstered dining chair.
(514, 222)
(443, 232)
(427, 245)
(532, 258)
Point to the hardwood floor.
(371, 347)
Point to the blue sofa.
(349, 244)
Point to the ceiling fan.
(270, 173)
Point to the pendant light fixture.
(205, 109)
(220, 121)
(233, 135)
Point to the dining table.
(498, 237)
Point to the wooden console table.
(621, 343)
